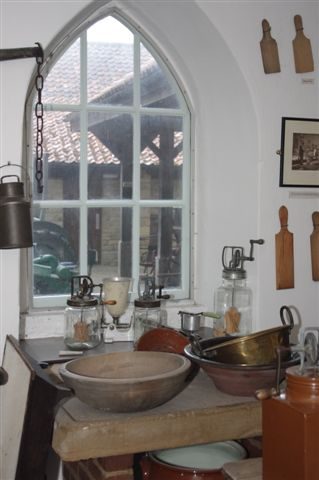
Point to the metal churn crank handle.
(265, 393)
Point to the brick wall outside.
(107, 468)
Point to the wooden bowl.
(127, 381)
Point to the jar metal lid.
(82, 302)
(234, 274)
(147, 303)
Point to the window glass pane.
(156, 87)
(161, 157)
(62, 85)
(56, 250)
(160, 245)
(109, 242)
(61, 157)
(110, 153)
(110, 63)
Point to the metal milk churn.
(16, 231)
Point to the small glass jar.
(82, 324)
(146, 316)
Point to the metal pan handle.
(285, 312)
(265, 393)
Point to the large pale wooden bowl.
(127, 381)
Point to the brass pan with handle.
(258, 348)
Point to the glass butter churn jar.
(233, 299)
(82, 316)
(148, 313)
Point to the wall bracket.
(18, 53)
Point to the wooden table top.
(199, 414)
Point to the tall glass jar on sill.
(233, 299)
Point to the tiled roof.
(109, 81)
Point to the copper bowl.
(162, 339)
(241, 380)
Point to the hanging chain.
(39, 123)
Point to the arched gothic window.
(116, 167)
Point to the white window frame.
(136, 111)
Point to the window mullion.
(83, 159)
(136, 163)
(186, 213)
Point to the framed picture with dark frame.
(299, 153)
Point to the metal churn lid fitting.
(146, 293)
(82, 297)
(233, 259)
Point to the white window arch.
(116, 197)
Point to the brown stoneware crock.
(200, 462)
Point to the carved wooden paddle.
(302, 49)
(314, 244)
(269, 50)
(284, 253)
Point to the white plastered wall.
(237, 110)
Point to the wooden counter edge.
(74, 441)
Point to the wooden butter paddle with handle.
(302, 49)
(284, 253)
(269, 50)
(314, 244)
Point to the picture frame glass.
(299, 165)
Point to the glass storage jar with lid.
(233, 299)
(148, 313)
(82, 316)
